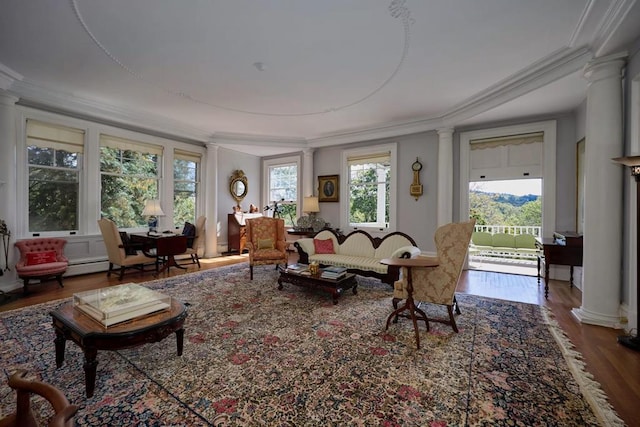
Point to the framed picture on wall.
(328, 188)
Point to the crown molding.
(229, 138)
(36, 96)
(8, 76)
(547, 70)
(388, 130)
(539, 74)
(609, 24)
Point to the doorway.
(508, 211)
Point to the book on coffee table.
(333, 272)
(297, 268)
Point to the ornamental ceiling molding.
(397, 9)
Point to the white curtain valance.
(118, 143)
(187, 156)
(529, 138)
(383, 158)
(46, 135)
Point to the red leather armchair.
(41, 258)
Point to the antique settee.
(358, 251)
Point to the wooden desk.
(166, 245)
(91, 336)
(237, 231)
(564, 249)
(409, 304)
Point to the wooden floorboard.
(615, 367)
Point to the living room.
(589, 57)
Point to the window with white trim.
(186, 181)
(370, 174)
(283, 192)
(129, 174)
(54, 159)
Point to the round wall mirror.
(238, 186)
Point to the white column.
(307, 172)
(211, 202)
(602, 253)
(445, 176)
(8, 195)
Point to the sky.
(518, 187)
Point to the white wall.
(417, 218)
(228, 162)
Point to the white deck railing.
(510, 229)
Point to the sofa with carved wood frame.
(358, 251)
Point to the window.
(368, 189)
(283, 192)
(54, 157)
(130, 174)
(186, 180)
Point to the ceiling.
(270, 77)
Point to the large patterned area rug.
(254, 355)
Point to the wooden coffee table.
(335, 287)
(91, 336)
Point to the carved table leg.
(90, 367)
(571, 276)
(60, 342)
(279, 284)
(546, 279)
(180, 340)
(336, 293)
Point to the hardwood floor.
(615, 367)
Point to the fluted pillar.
(602, 253)
(307, 172)
(8, 195)
(445, 176)
(211, 202)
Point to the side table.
(415, 313)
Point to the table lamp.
(311, 207)
(152, 210)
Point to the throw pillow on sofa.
(323, 246)
(36, 258)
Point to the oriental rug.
(257, 356)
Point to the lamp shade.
(310, 204)
(632, 161)
(152, 208)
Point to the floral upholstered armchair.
(266, 242)
(437, 285)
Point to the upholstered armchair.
(41, 258)
(437, 285)
(195, 247)
(266, 242)
(24, 416)
(117, 251)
